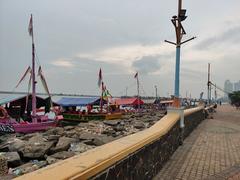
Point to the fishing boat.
(80, 109)
(35, 122)
(97, 108)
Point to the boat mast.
(101, 100)
(138, 94)
(34, 119)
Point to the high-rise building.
(228, 87)
(237, 86)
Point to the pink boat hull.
(11, 126)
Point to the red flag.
(30, 26)
(136, 75)
(99, 78)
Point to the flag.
(106, 94)
(44, 82)
(27, 71)
(30, 26)
(136, 75)
(100, 78)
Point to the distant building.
(228, 87)
(237, 86)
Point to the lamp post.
(180, 31)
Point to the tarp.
(80, 101)
(127, 101)
(11, 98)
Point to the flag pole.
(138, 93)
(34, 119)
(101, 100)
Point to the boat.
(82, 109)
(94, 106)
(35, 121)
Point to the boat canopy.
(79, 101)
(127, 101)
(11, 98)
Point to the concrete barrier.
(138, 156)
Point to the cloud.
(146, 65)
(126, 54)
(229, 36)
(63, 63)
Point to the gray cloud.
(231, 35)
(147, 64)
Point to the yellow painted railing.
(90, 163)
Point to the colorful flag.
(30, 27)
(136, 75)
(100, 78)
(106, 94)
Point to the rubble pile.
(20, 154)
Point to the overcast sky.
(74, 38)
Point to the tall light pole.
(209, 85)
(177, 22)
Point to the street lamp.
(180, 31)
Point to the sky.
(74, 38)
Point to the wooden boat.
(89, 117)
(38, 123)
(9, 125)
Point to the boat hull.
(89, 117)
(26, 127)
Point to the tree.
(235, 98)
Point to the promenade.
(212, 151)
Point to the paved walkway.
(212, 151)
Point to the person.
(220, 103)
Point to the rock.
(28, 136)
(53, 137)
(63, 155)
(152, 114)
(119, 128)
(3, 165)
(16, 144)
(139, 125)
(63, 144)
(36, 147)
(51, 160)
(29, 167)
(67, 128)
(13, 159)
(148, 119)
(4, 147)
(112, 122)
(132, 116)
(87, 136)
(70, 133)
(8, 177)
(100, 140)
(55, 131)
(79, 147)
(109, 131)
